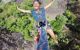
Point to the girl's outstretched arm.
(49, 4)
(25, 11)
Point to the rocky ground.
(13, 41)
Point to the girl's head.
(36, 4)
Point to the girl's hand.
(36, 39)
(49, 4)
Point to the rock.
(19, 1)
(4, 1)
(13, 41)
(57, 8)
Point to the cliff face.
(13, 41)
(57, 8)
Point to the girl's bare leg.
(51, 33)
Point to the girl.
(38, 14)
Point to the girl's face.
(36, 5)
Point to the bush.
(15, 21)
(59, 23)
(71, 17)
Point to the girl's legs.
(51, 33)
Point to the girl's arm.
(25, 11)
(49, 4)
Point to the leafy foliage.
(14, 20)
(59, 23)
(67, 36)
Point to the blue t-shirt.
(39, 16)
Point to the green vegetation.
(67, 27)
(16, 21)
(58, 25)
